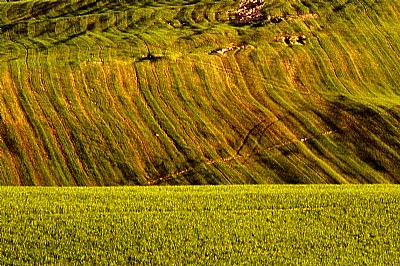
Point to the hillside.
(199, 92)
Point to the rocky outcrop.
(277, 19)
(249, 11)
(292, 39)
(230, 48)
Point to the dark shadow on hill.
(150, 57)
(69, 38)
(20, 28)
(369, 133)
(248, 12)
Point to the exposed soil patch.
(277, 19)
(230, 48)
(249, 11)
(292, 39)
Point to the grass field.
(140, 92)
(203, 225)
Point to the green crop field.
(96, 93)
(197, 92)
(203, 225)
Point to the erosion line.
(241, 156)
(249, 133)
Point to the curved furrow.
(120, 124)
(193, 101)
(78, 137)
(247, 110)
(140, 147)
(212, 91)
(34, 137)
(145, 104)
(341, 67)
(286, 70)
(154, 47)
(77, 104)
(240, 79)
(102, 108)
(146, 92)
(13, 119)
(187, 116)
(255, 134)
(378, 28)
(263, 93)
(322, 42)
(169, 123)
(171, 155)
(292, 149)
(215, 90)
(43, 88)
(172, 112)
(354, 76)
(149, 90)
(37, 173)
(87, 129)
(89, 126)
(243, 104)
(68, 126)
(169, 86)
(135, 118)
(380, 68)
(166, 121)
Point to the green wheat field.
(201, 225)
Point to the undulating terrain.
(199, 92)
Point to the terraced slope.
(181, 92)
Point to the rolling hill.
(97, 93)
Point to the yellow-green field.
(203, 225)
(142, 93)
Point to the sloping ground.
(179, 92)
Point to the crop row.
(155, 105)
